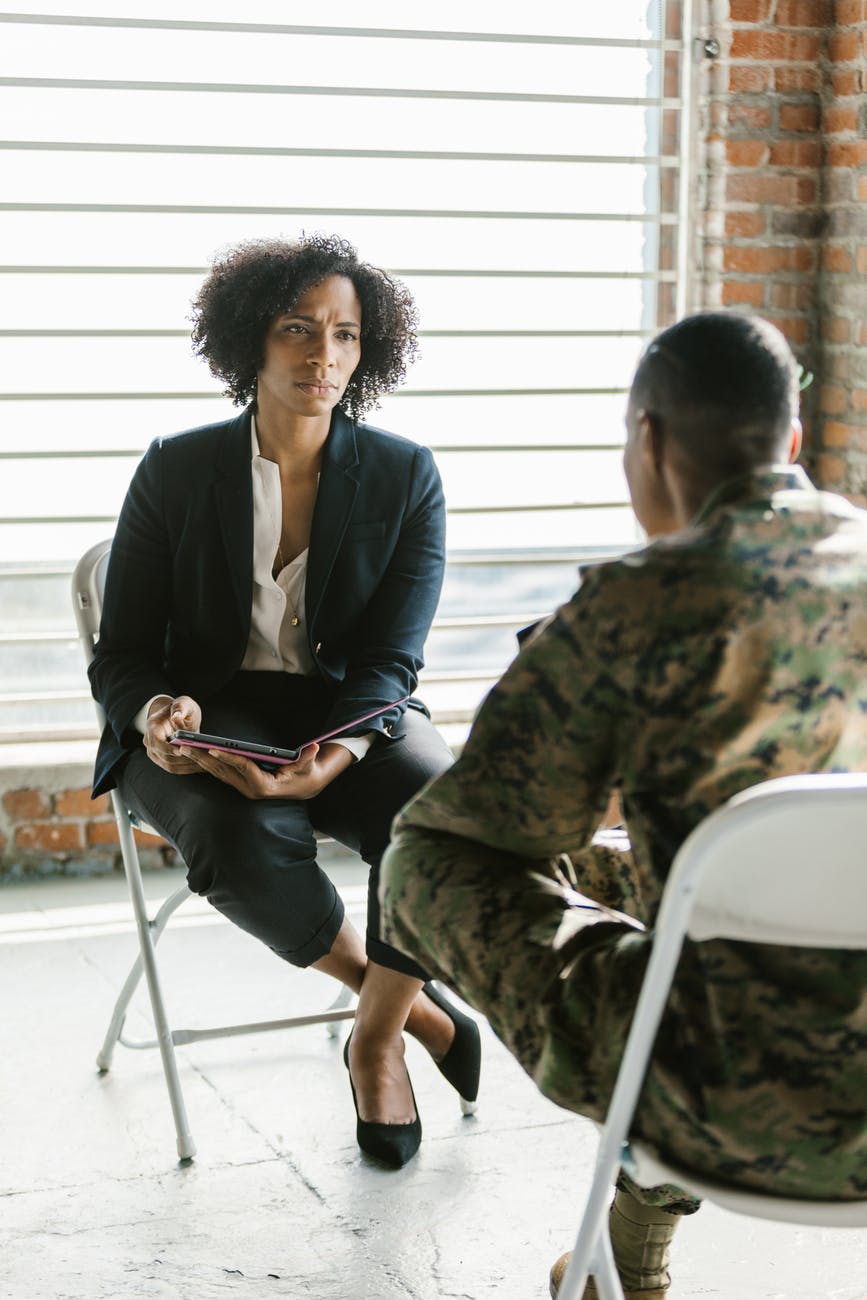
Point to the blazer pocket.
(371, 532)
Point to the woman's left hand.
(314, 770)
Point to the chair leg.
(185, 1144)
(605, 1275)
(343, 999)
(118, 1016)
(592, 1252)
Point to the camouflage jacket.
(729, 653)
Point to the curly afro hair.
(258, 280)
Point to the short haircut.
(254, 282)
(724, 386)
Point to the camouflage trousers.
(521, 948)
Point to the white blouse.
(278, 633)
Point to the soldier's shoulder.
(642, 569)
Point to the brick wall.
(50, 826)
(784, 228)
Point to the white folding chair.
(88, 584)
(784, 862)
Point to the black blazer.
(179, 589)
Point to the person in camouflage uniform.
(730, 650)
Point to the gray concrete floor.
(279, 1201)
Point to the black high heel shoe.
(462, 1063)
(393, 1144)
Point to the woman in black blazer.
(273, 578)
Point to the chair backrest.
(88, 586)
(784, 862)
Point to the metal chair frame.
(750, 871)
(88, 584)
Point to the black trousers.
(255, 859)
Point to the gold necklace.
(295, 618)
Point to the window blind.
(524, 170)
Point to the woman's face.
(312, 350)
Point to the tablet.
(266, 755)
(271, 756)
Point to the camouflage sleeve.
(535, 774)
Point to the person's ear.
(796, 438)
(651, 441)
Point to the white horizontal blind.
(517, 166)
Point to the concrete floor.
(279, 1201)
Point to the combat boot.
(590, 1292)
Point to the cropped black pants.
(255, 859)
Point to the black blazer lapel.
(338, 486)
(233, 492)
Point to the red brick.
(745, 225)
(798, 223)
(668, 192)
(746, 153)
(749, 116)
(862, 189)
(830, 470)
(835, 258)
(850, 11)
(102, 832)
(799, 117)
(775, 46)
(803, 13)
(835, 434)
(747, 292)
(790, 80)
(832, 399)
(745, 79)
(844, 46)
(766, 261)
(143, 838)
(847, 81)
(862, 334)
(839, 117)
(796, 153)
(775, 187)
(750, 11)
(836, 365)
(795, 328)
(861, 260)
(835, 329)
(859, 399)
(105, 832)
(2, 842)
(51, 837)
(670, 132)
(847, 153)
(796, 296)
(78, 803)
(25, 805)
(853, 436)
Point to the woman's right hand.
(167, 716)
